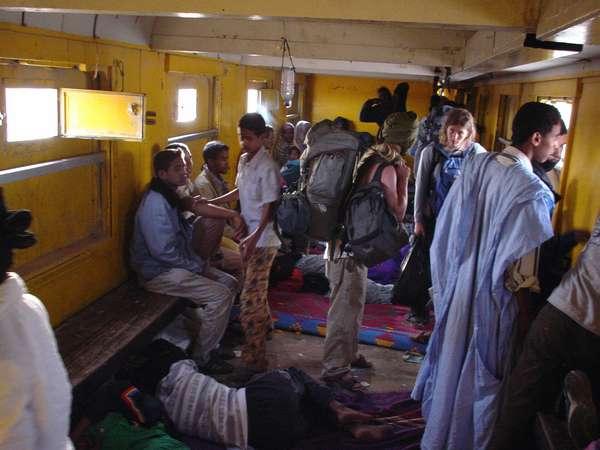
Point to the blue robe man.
(495, 214)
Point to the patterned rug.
(383, 325)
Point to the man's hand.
(199, 200)
(248, 245)
(239, 227)
(419, 229)
(191, 203)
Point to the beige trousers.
(348, 284)
(213, 293)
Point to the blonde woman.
(440, 165)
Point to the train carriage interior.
(91, 92)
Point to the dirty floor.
(390, 372)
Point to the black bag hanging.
(292, 214)
(412, 287)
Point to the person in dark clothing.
(399, 98)
(377, 109)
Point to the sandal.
(361, 362)
(422, 337)
(346, 381)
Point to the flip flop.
(361, 362)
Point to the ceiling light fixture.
(191, 15)
(288, 75)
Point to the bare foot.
(346, 416)
(371, 433)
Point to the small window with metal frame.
(31, 113)
(565, 107)
(187, 105)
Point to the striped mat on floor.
(383, 325)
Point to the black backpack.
(292, 215)
(372, 230)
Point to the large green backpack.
(327, 170)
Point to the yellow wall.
(332, 96)
(66, 279)
(579, 186)
(581, 204)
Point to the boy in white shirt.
(258, 187)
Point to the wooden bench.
(97, 340)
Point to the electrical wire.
(285, 47)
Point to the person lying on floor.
(315, 264)
(273, 411)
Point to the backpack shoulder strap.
(379, 172)
(436, 158)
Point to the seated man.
(274, 411)
(210, 185)
(564, 336)
(163, 256)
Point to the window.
(503, 124)
(91, 114)
(253, 100)
(565, 108)
(187, 103)
(31, 113)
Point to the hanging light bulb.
(288, 75)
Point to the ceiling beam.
(349, 68)
(489, 52)
(557, 16)
(366, 42)
(471, 14)
(485, 46)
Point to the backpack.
(292, 214)
(447, 167)
(327, 172)
(429, 131)
(372, 230)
